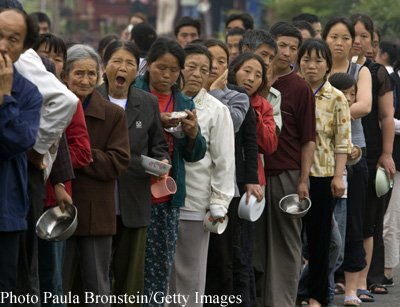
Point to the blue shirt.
(19, 124)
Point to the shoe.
(374, 289)
(339, 289)
(368, 299)
(388, 282)
(348, 301)
(301, 303)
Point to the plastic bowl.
(292, 208)
(53, 225)
(154, 167)
(382, 184)
(251, 211)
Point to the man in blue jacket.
(20, 104)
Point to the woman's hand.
(355, 153)
(254, 189)
(337, 187)
(167, 122)
(220, 82)
(189, 125)
(386, 161)
(162, 176)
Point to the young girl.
(331, 149)
(248, 71)
(163, 78)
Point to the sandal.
(365, 292)
(339, 288)
(349, 301)
(374, 289)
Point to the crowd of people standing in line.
(300, 109)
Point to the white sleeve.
(59, 103)
(222, 151)
(396, 126)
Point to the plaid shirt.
(332, 114)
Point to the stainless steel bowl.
(292, 208)
(53, 225)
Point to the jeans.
(338, 235)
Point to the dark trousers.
(28, 274)
(51, 261)
(243, 273)
(354, 255)
(219, 278)
(377, 267)
(318, 225)
(9, 242)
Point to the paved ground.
(392, 299)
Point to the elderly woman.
(121, 62)
(94, 185)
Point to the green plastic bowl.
(382, 184)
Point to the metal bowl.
(53, 225)
(292, 208)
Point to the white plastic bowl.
(154, 167)
(382, 184)
(251, 211)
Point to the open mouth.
(120, 80)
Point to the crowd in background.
(302, 108)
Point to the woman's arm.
(267, 139)
(363, 104)
(385, 110)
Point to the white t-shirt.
(118, 102)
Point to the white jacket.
(210, 181)
(59, 105)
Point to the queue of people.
(300, 109)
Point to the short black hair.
(282, 28)
(391, 49)
(304, 25)
(42, 17)
(334, 21)
(144, 35)
(187, 21)
(105, 41)
(235, 31)
(311, 18)
(377, 32)
(211, 42)
(117, 45)
(253, 39)
(197, 48)
(248, 21)
(342, 81)
(52, 42)
(321, 49)
(235, 65)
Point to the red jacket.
(79, 149)
(266, 136)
